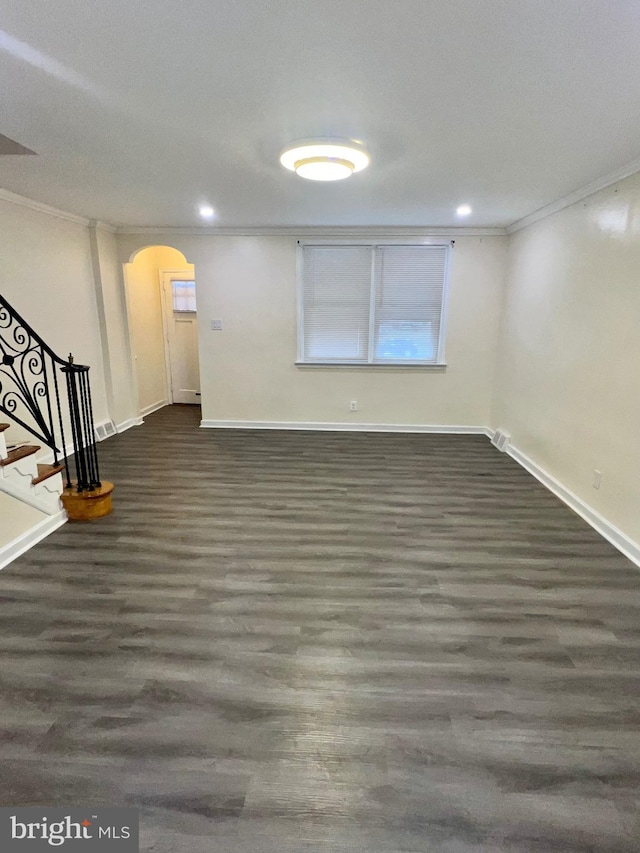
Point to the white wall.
(145, 324)
(112, 311)
(46, 274)
(566, 368)
(248, 371)
(65, 279)
(569, 377)
(16, 519)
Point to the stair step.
(19, 453)
(4, 426)
(46, 471)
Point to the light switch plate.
(216, 325)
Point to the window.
(372, 304)
(183, 294)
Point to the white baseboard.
(27, 540)
(154, 407)
(347, 427)
(130, 422)
(610, 532)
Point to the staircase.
(50, 398)
(38, 485)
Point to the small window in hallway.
(184, 295)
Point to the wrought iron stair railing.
(49, 397)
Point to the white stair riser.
(49, 491)
(26, 468)
(16, 480)
(52, 485)
(46, 501)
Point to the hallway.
(304, 641)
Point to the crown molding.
(301, 232)
(576, 196)
(338, 231)
(103, 226)
(23, 201)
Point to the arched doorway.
(163, 327)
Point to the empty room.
(320, 426)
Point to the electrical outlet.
(353, 406)
(597, 479)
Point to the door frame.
(164, 277)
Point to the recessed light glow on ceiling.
(206, 211)
(463, 210)
(325, 159)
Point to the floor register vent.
(105, 430)
(501, 440)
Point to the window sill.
(414, 365)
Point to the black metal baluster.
(83, 417)
(45, 377)
(94, 448)
(76, 426)
(62, 438)
(87, 425)
(27, 396)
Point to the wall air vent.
(8, 146)
(501, 440)
(104, 430)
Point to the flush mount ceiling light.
(206, 211)
(464, 210)
(324, 159)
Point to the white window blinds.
(372, 304)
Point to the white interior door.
(182, 336)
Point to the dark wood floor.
(284, 642)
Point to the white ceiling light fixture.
(206, 211)
(463, 210)
(325, 159)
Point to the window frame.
(373, 245)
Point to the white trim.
(148, 410)
(103, 226)
(348, 427)
(14, 198)
(376, 365)
(610, 532)
(130, 422)
(578, 195)
(27, 540)
(444, 305)
(372, 232)
(133, 367)
(365, 231)
(374, 242)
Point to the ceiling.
(139, 111)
